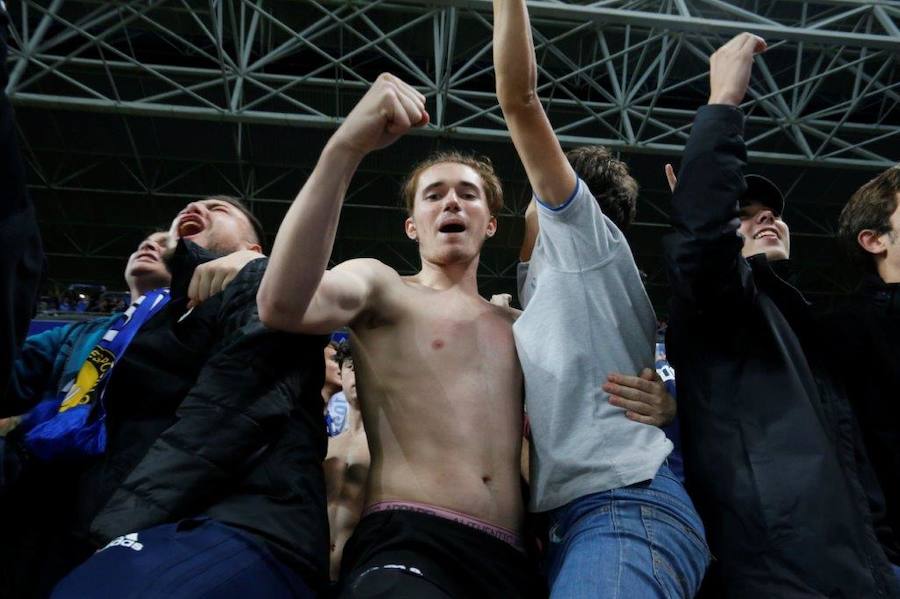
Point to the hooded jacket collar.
(779, 272)
(187, 257)
(884, 296)
(777, 278)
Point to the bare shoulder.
(367, 267)
(375, 274)
(382, 283)
(509, 312)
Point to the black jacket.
(864, 346)
(21, 255)
(210, 414)
(769, 446)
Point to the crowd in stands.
(213, 437)
(84, 298)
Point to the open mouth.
(147, 256)
(770, 233)
(190, 224)
(452, 228)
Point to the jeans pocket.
(679, 552)
(697, 537)
(575, 518)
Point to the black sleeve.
(242, 398)
(703, 254)
(21, 256)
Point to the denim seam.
(692, 533)
(614, 520)
(651, 543)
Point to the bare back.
(441, 393)
(346, 472)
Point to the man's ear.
(871, 241)
(410, 226)
(491, 227)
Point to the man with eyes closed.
(207, 479)
(439, 379)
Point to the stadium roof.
(129, 109)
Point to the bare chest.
(459, 331)
(441, 344)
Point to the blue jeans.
(645, 540)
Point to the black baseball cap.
(763, 191)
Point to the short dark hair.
(254, 222)
(870, 207)
(609, 180)
(493, 190)
(343, 352)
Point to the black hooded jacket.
(769, 446)
(863, 344)
(209, 414)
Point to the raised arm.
(703, 252)
(549, 173)
(297, 294)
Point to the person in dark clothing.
(21, 253)
(214, 438)
(864, 334)
(769, 447)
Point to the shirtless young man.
(444, 509)
(346, 466)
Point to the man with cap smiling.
(771, 454)
(763, 230)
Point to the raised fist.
(388, 110)
(729, 68)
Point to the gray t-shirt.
(586, 315)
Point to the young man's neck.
(889, 273)
(462, 275)
(137, 290)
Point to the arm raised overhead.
(548, 171)
(297, 293)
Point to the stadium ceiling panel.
(242, 74)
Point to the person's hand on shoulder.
(504, 300)
(212, 277)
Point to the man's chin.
(452, 253)
(195, 238)
(774, 251)
(451, 257)
(775, 254)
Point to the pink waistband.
(507, 536)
